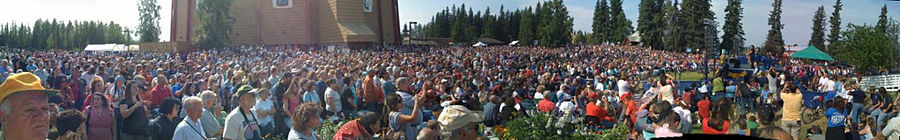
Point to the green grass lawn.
(689, 76)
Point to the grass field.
(689, 76)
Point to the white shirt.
(235, 126)
(189, 130)
(829, 85)
(683, 113)
(335, 104)
(623, 87)
(264, 106)
(566, 106)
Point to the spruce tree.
(674, 40)
(883, 20)
(621, 26)
(733, 37)
(774, 42)
(834, 34)
(601, 23)
(817, 38)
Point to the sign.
(282, 3)
(367, 6)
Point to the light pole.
(412, 26)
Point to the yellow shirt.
(792, 106)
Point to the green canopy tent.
(812, 53)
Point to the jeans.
(879, 117)
(854, 113)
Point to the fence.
(890, 82)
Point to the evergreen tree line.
(68, 35)
(548, 22)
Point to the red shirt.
(686, 97)
(710, 130)
(703, 109)
(594, 110)
(546, 105)
(351, 130)
(159, 93)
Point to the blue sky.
(797, 16)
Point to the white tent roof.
(111, 47)
(479, 44)
(636, 37)
(513, 43)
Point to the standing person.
(836, 114)
(163, 126)
(793, 102)
(373, 95)
(491, 111)
(305, 121)
(242, 123)
(24, 110)
(665, 91)
(400, 122)
(858, 100)
(408, 103)
(211, 126)
(160, 92)
(190, 128)
(332, 99)
(135, 114)
(101, 124)
(265, 109)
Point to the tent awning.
(110, 47)
(812, 53)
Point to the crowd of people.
(248, 93)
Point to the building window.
(367, 6)
(282, 3)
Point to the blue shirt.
(835, 118)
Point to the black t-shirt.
(136, 124)
(858, 96)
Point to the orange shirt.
(594, 110)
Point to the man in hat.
(25, 111)
(459, 123)
(242, 120)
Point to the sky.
(797, 16)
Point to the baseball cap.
(23, 82)
(243, 90)
(456, 116)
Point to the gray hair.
(450, 134)
(207, 95)
(191, 101)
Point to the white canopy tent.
(479, 44)
(514, 43)
(111, 47)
